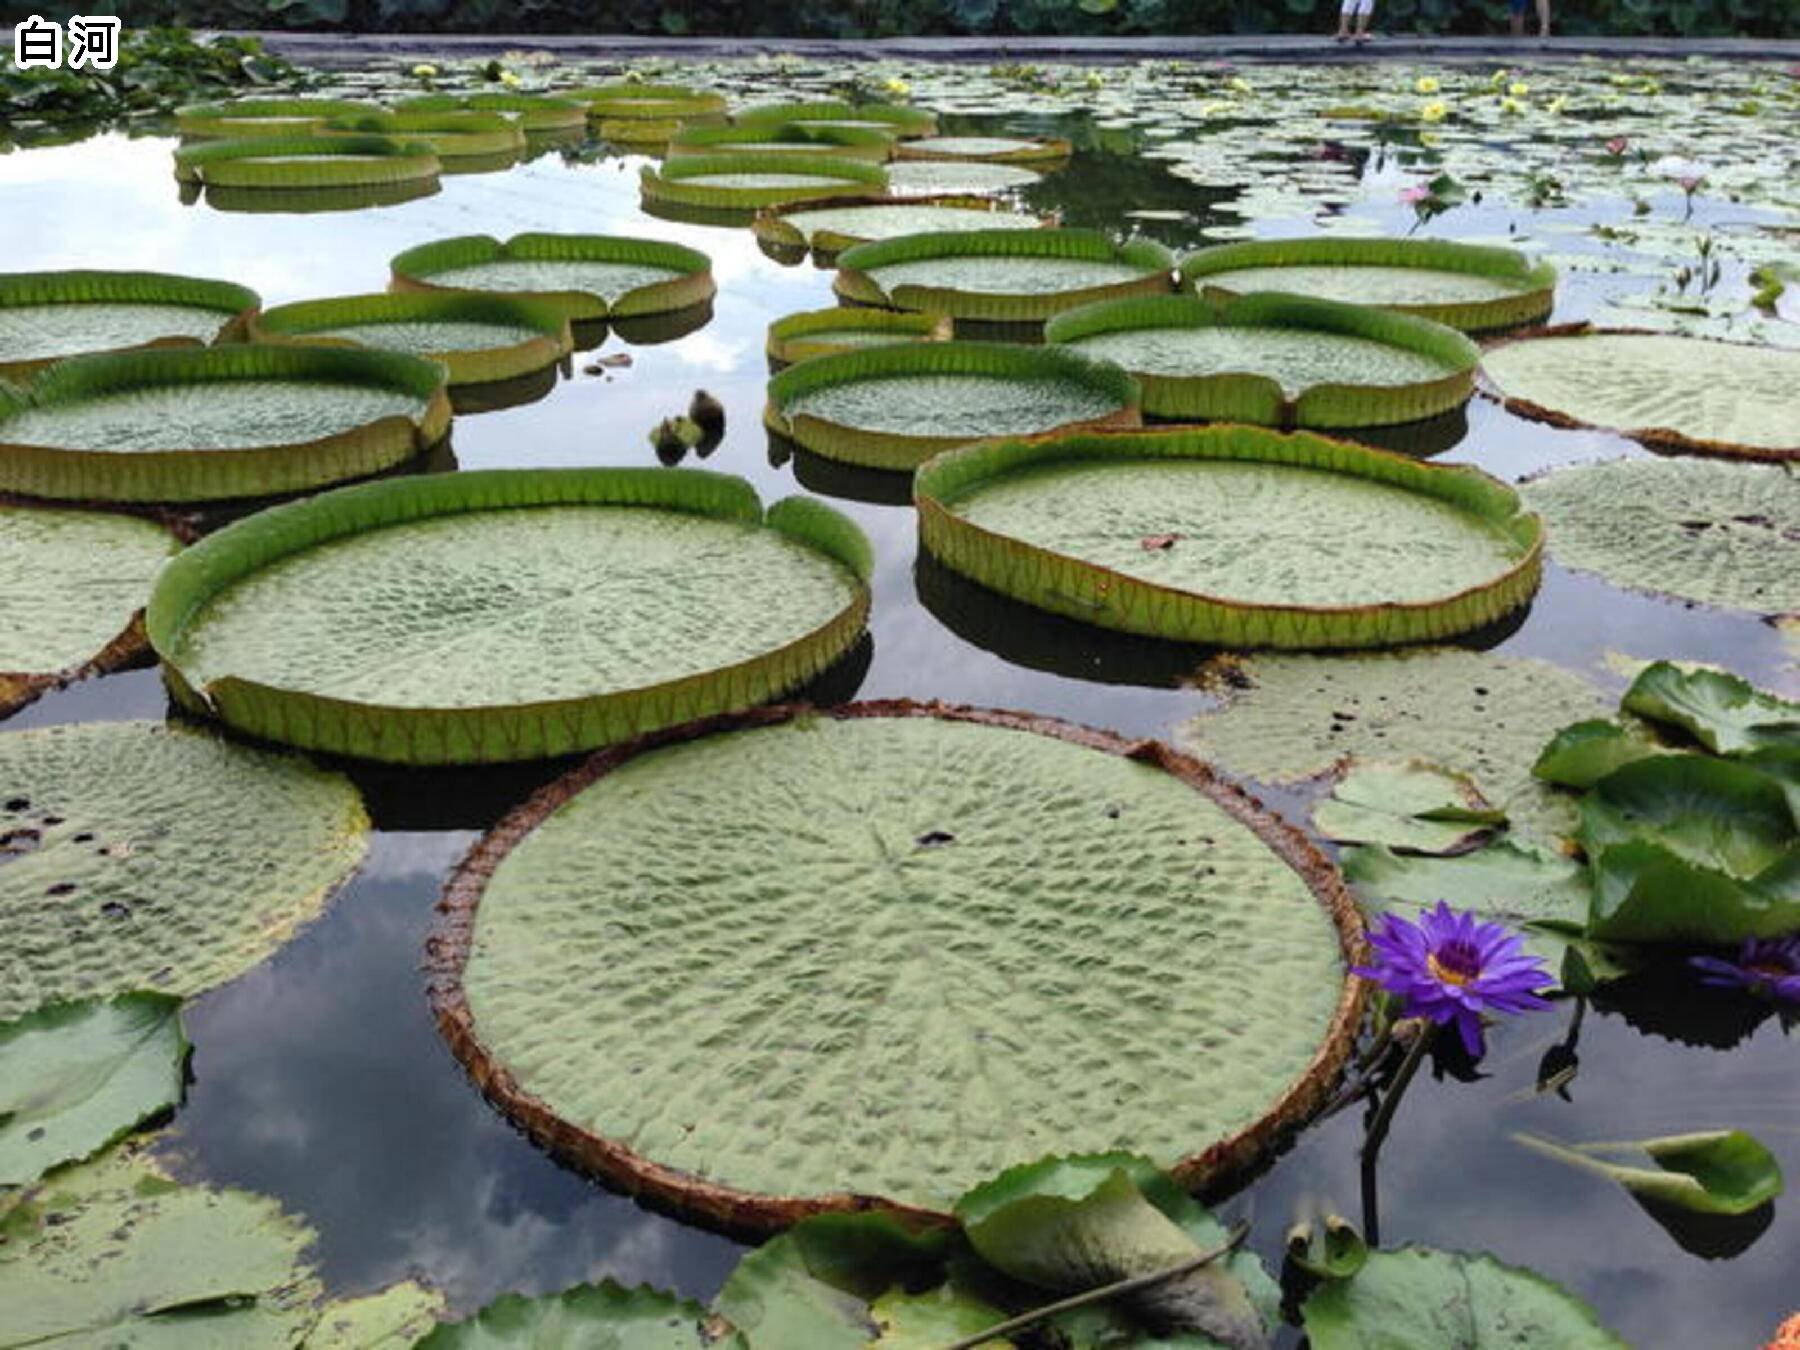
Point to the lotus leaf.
(279, 163)
(172, 860)
(1287, 718)
(933, 177)
(75, 1077)
(745, 182)
(1419, 1299)
(508, 614)
(71, 583)
(1466, 286)
(590, 276)
(1212, 535)
(861, 937)
(893, 407)
(985, 149)
(1275, 359)
(45, 316)
(832, 228)
(266, 116)
(1725, 713)
(1581, 755)
(1721, 534)
(203, 424)
(821, 332)
(1710, 1172)
(1411, 807)
(603, 1316)
(1685, 393)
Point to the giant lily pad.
(507, 615)
(1212, 535)
(265, 116)
(75, 1077)
(71, 585)
(831, 227)
(893, 407)
(478, 337)
(139, 856)
(460, 134)
(822, 332)
(46, 316)
(745, 182)
(898, 947)
(932, 177)
(589, 276)
(1466, 286)
(1722, 534)
(648, 103)
(1682, 393)
(219, 422)
(1275, 359)
(273, 163)
(895, 119)
(799, 138)
(1010, 276)
(985, 149)
(536, 113)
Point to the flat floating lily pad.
(277, 163)
(1212, 535)
(822, 332)
(893, 407)
(139, 856)
(1275, 359)
(1466, 286)
(898, 948)
(746, 182)
(508, 615)
(895, 119)
(536, 113)
(46, 316)
(219, 422)
(1721, 534)
(1721, 398)
(589, 276)
(1015, 276)
(833, 227)
(927, 177)
(71, 584)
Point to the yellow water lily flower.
(897, 87)
(425, 71)
(1427, 84)
(1518, 89)
(1511, 105)
(1555, 105)
(1239, 84)
(1430, 140)
(1499, 78)
(1433, 112)
(510, 80)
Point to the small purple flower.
(1769, 967)
(1451, 967)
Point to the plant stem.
(1390, 1100)
(1117, 1289)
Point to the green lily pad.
(930, 177)
(795, 138)
(604, 1316)
(816, 849)
(1721, 534)
(1724, 712)
(1419, 1299)
(985, 149)
(746, 182)
(1411, 807)
(588, 276)
(1284, 719)
(629, 101)
(508, 614)
(894, 118)
(142, 856)
(536, 113)
(1582, 754)
(265, 116)
(932, 1320)
(823, 332)
(288, 162)
(75, 1077)
(462, 133)
(71, 585)
(390, 1319)
(1685, 393)
(46, 316)
(1711, 1172)
(1211, 535)
(833, 227)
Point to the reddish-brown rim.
(728, 1208)
(1656, 438)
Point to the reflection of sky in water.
(321, 1080)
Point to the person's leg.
(1365, 16)
(1543, 11)
(1516, 17)
(1343, 29)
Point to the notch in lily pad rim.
(801, 140)
(729, 1209)
(243, 116)
(1245, 396)
(906, 121)
(837, 177)
(536, 112)
(855, 283)
(309, 321)
(794, 337)
(1025, 150)
(1533, 284)
(459, 133)
(87, 287)
(1657, 438)
(189, 475)
(496, 733)
(272, 163)
(773, 228)
(901, 451)
(1108, 598)
(414, 268)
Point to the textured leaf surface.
(70, 582)
(1724, 712)
(1583, 753)
(954, 405)
(1005, 276)
(1364, 285)
(32, 332)
(145, 856)
(509, 607)
(1414, 806)
(587, 1317)
(1712, 813)
(971, 147)
(1247, 532)
(1419, 1299)
(609, 280)
(1722, 534)
(1726, 394)
(889, 222)
(425, 338)
(389, 1319)
(891, 955)
(1486, 716)
(1711, 1172)
(932, 1320)
(762, 180)
(74, 1077)
(112, 1254)
(925, 177)
(1295, 360)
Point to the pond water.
(319, 1078)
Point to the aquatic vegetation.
(46, 316)
(266, 117)
(1411, 807)
(823, 332)
(588, 276)
(985, 149)
(798, 138)
(896, 119)
(1766, 967)
(283, 163)
(458, 134)
(831, 227)
(747, 182)
(1712, 1172)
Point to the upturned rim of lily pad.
(666, 184)
(413, 269)
(536, 112)
(732, 1210)
(239, 117)
(1027, 150)
(905, 119)
(773, 229)
(89, 286)
(790, 339)
(319, 160)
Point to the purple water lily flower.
(1769, 967)
(1451, 967)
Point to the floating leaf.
(390, 1319)
(75, 1077)
(1725, 713)
(265, 116)
(458, 134)
(536, 113)
(1581, 755)
(1709, 1172)
(741, 182)
(587, 276)
(900, 121)
(46, 316)
(287, 162)
(1411, 807)
(800, 139)
(832, 227)
(604, 1316)
(986, 149)
(822, 332)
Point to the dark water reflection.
(319, 1078)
